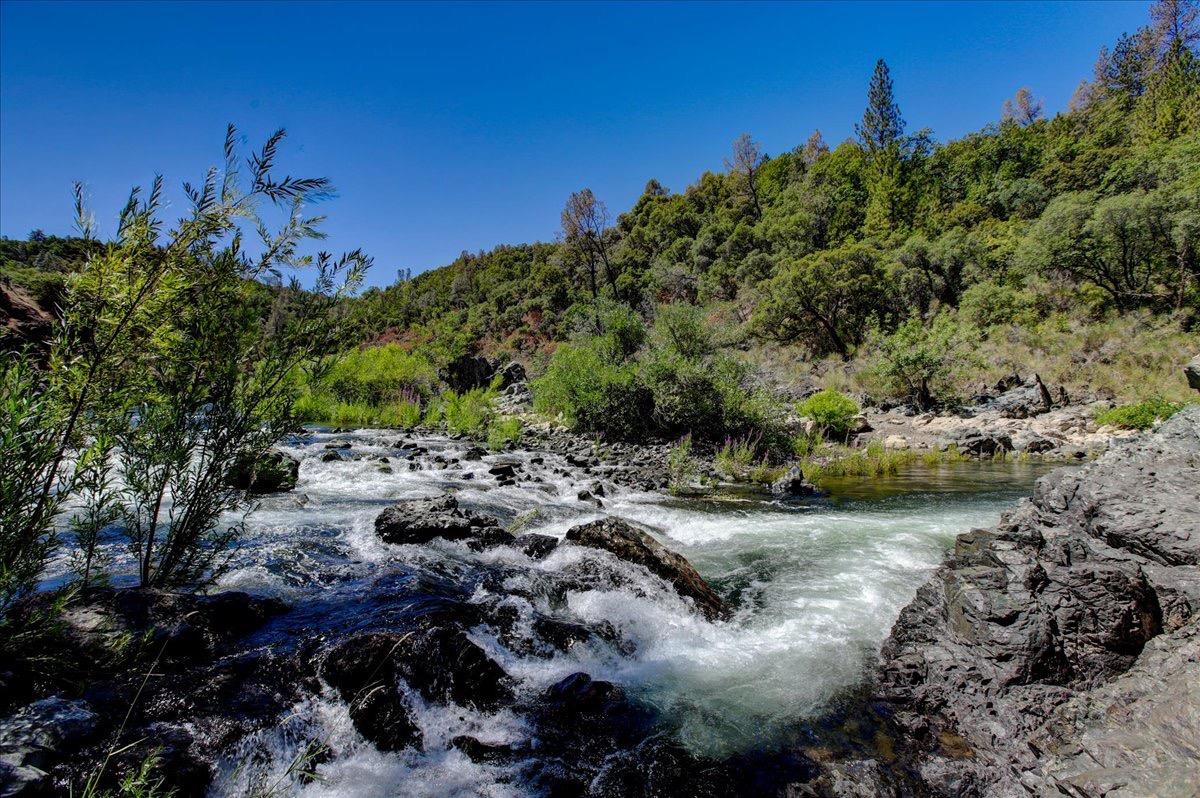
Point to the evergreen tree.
(881, 126)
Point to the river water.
(815, 587)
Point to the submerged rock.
(273, 472)
(422, 520)
(637, 547)
(1023, 665)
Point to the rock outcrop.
(422, 520)
(468, 372)
(1058, 653)
(793, 484)
(23, 320)
(1192, 373)
(633, 545)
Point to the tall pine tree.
(882, 126)
(881, 133)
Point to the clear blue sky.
(463, 126)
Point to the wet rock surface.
(633, 545)
(422, 520)
(209, 689)
(1057, 653)
(273, 472)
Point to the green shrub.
(322, 408)
(401, 415)
(700, 391)
(832, 411)
(736, 457)
(591, 391)
(681, 468)
(987, 304)
(1141, 415)
(379, 374)
(917, 362)
(503, 431)
(467, 413)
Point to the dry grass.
(1132, 358)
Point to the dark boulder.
(1033, 443)
(977, 443)
(793, 485)
(536, 546)
(489, 538)
(1192, 372)
(422, 520)
(365, 670)
(440, 662)
(503, 471)
(478, 751)
(511, 374)
(272, 472)
(467, 372)
(580, 696)
(1024, 400)
(635, 546)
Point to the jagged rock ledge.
(1059, 653)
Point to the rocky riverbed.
(419, 616)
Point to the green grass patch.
(321, 408)
(874, 460)
(503, 431)
(1140, 415)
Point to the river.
(815, 586)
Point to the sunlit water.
(815, 587)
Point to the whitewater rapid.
(815, 586)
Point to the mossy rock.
(272, 472)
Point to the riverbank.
(1057, 652)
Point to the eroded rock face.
(633, 545)
(422, 520)
(1038, 630)
(24, 321)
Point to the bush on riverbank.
(675, 381)
(378, 375)
(1140, 415)
(832, 412)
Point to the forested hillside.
(892, 266)
(1065, 243)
